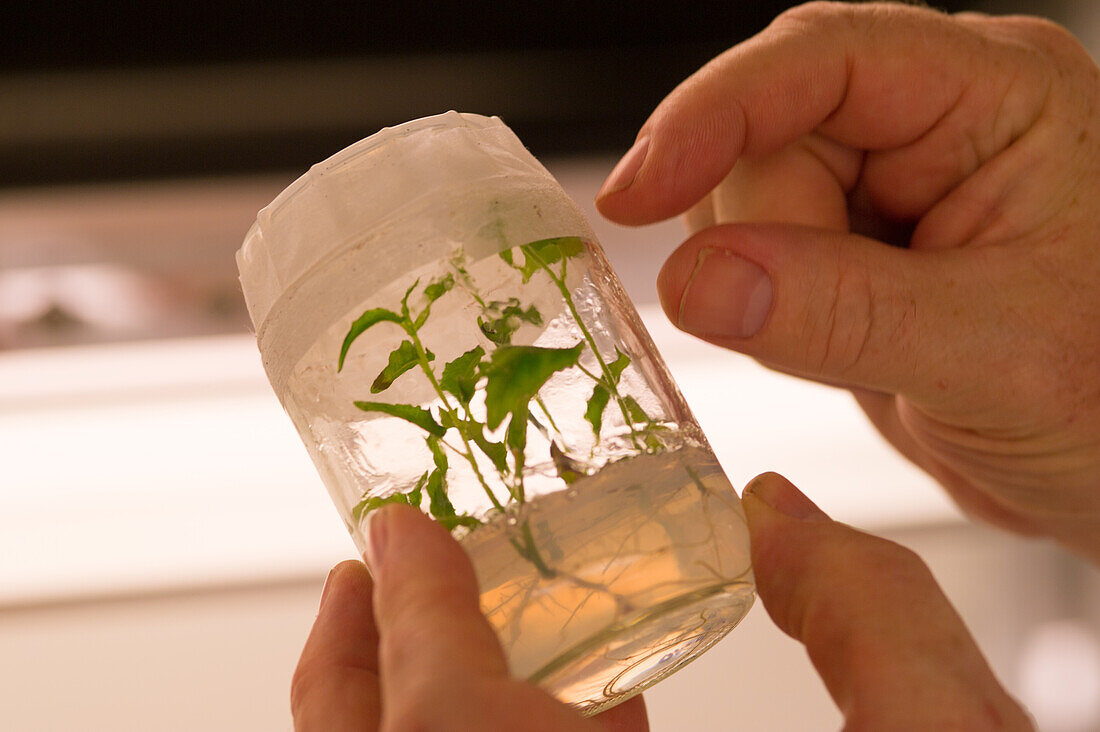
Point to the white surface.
(167, 465)
(170, 464)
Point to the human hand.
(412, 651)
(891, 650)
(976, 349)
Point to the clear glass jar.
(437, 318)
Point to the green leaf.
(422, 418)
(600, 395)
(514, 375)
(438, 456)
(516, 438)
(363, 322)
(460, 375)
(415, 494)
(596, 404)
(548, 251)
(405, 298)
(495, 451)
(505, 318)
(637, 414)
(569, 470)
(450, 522)
(440, 287)
(617, 366)
(370, 503)
(433, 292)
(439, 505)
(401, 360)
(506, 255)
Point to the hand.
(893, 653)
(972, 140)
(420, 655)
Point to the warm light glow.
(171, 463)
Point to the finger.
(806, 182)
(891, 650)
(834, 307)
(426, 606)
(876, 77)
(442, 665)
(700, 216)
(335, 686)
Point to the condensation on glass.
(438, 320)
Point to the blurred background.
(163, 536)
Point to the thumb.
(890, 648)
(831, 306)
(440, 662)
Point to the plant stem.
(530, 551)
(610, 380)
(422, 358)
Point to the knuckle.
(813, 16)
(858, 17)
(1040, 31)
(839, 333)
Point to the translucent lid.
(401, 198)
(358, 187)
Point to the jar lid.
(383, 207)
(340, 198)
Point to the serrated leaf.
(495, 451)
(460, 375)
(503, 318)
(433, 292)
(440, 287)
(439, 503)
(415, 494)
(440, 506)
(514, 375)
(401, 360)
(474, 431)
(637, 414)
(617, 366)
(422, 418)
(405, 298)
(439, 457)
(548, 251)
(365, 321)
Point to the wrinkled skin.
(883, 198)
(974, 142)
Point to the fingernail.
(781, 495)
(376, 532)
(328, 587)
(726, 295)
(627, 169)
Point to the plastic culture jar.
(438, 320)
